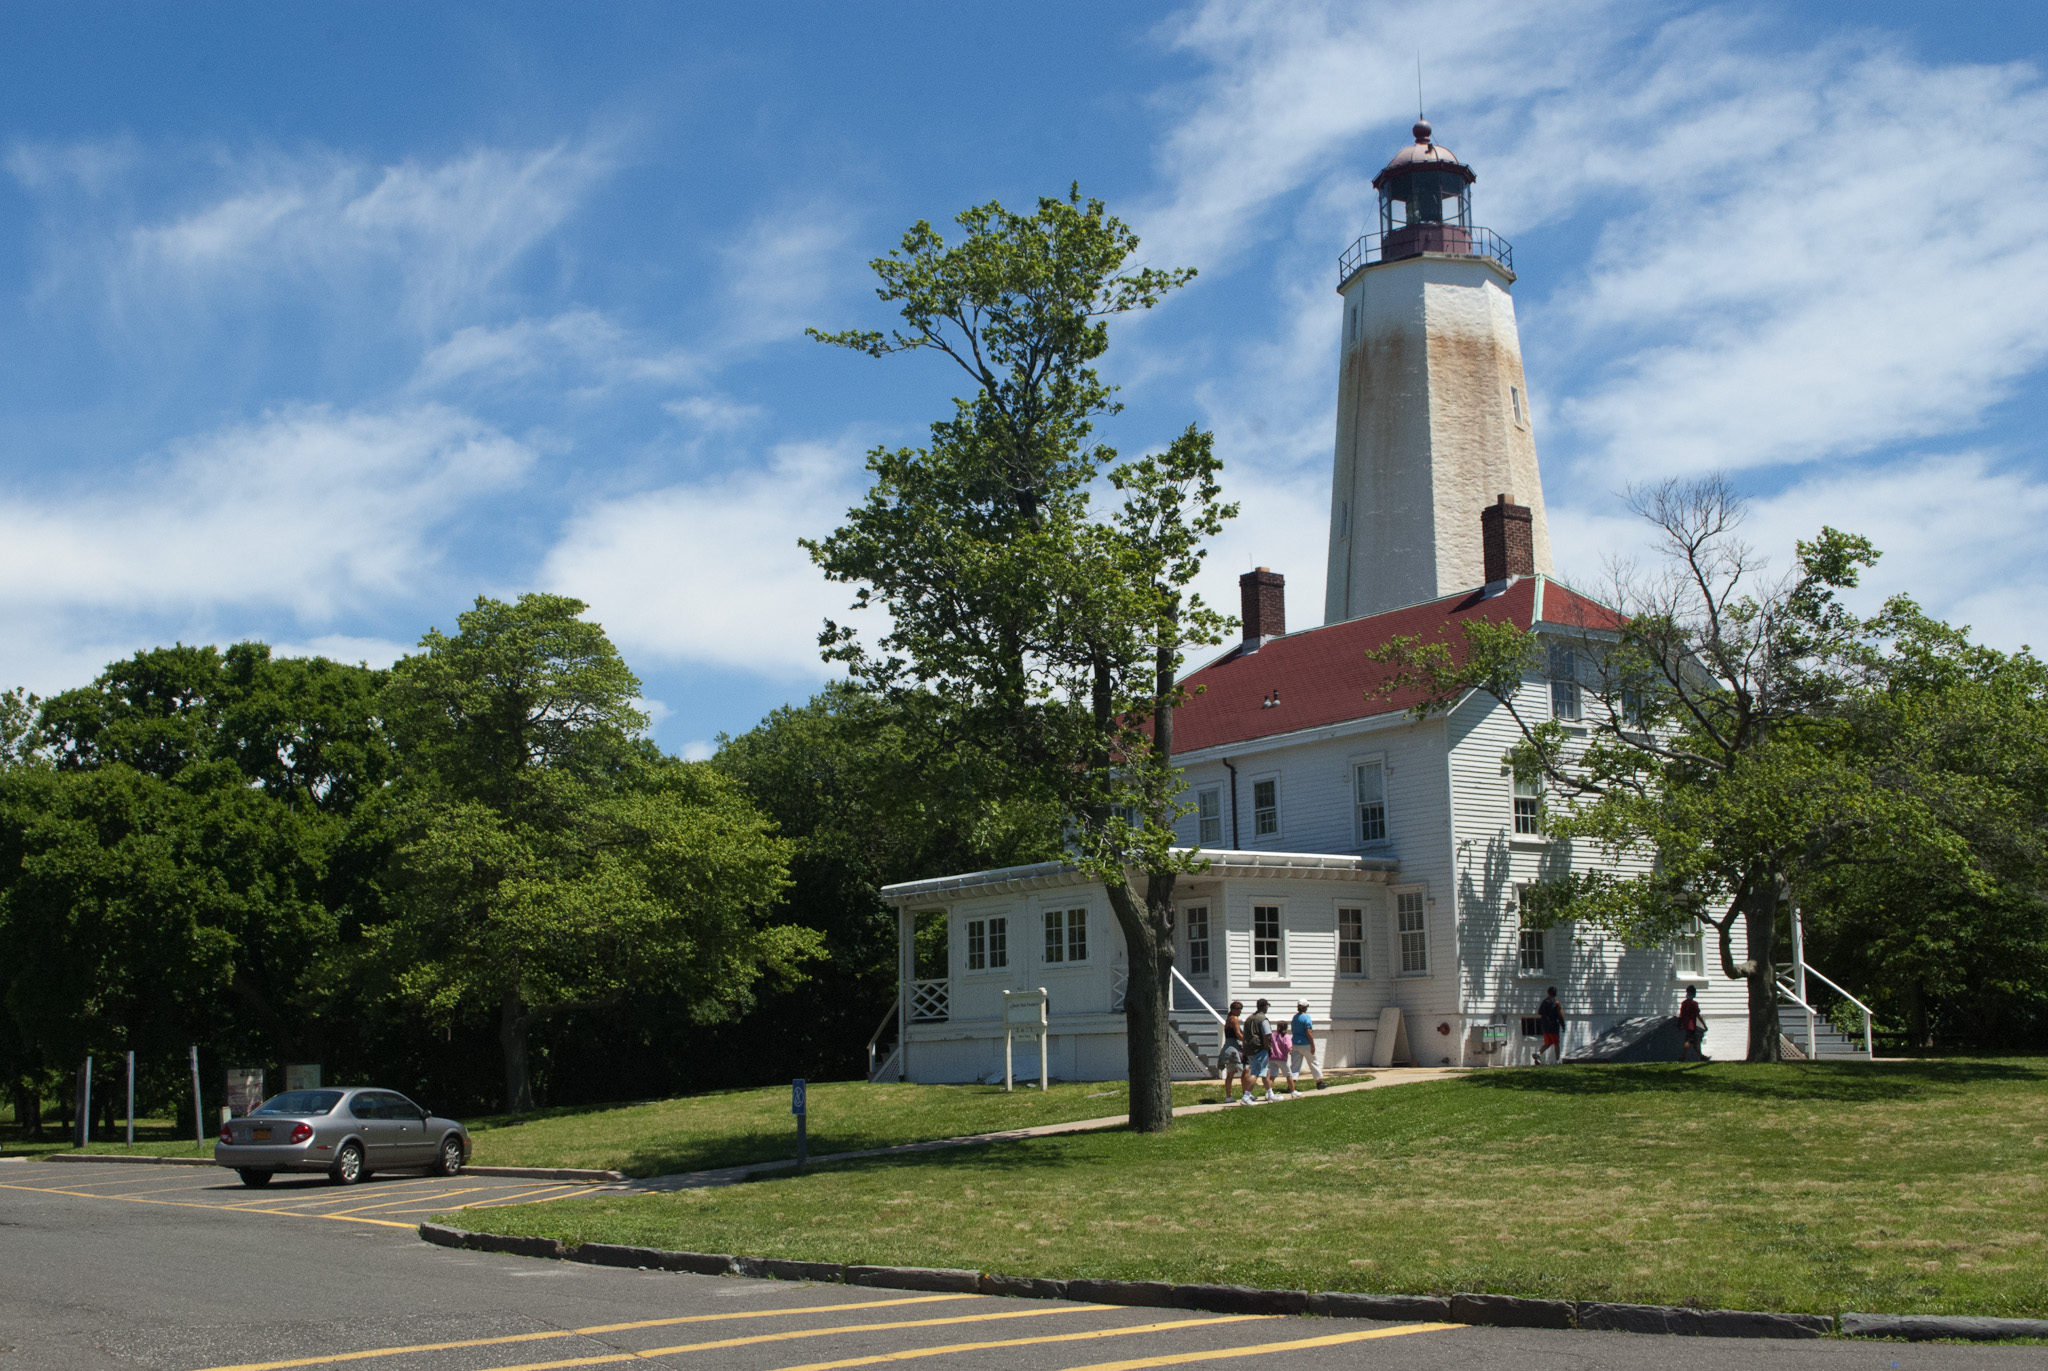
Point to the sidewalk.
(729, 1175)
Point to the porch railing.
(930, 1001)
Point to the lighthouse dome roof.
(1423, 154)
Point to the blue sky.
(322, 320)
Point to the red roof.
(1322, 675)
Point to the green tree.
(163, 880)
(552, 859)
(871, 790)
(1719, 739)
(1948, 952)
(1043, 634)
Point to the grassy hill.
(1909, 1187)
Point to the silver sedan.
(346, 1132)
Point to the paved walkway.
(728, 1175)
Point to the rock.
(1509, 1311)
(915, 1278)
(1343, 1304)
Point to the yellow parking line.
(913, 1353)
(436, 1198)
(216, 1208)
(794, 1334)
(592, 1331)
(1219, 1353)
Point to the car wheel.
(254, 1179)
(348, 1165)
(450, 1160)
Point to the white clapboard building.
(1359, 859)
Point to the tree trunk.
(512, 1026)
(1148, 937)
(1760, 923)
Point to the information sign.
(796, 1095)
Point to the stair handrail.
(883, 1027)
(1198, 996)
(1791, 992)
(1868, 1017)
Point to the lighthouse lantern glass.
(1424, 197)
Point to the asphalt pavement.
(105, 1266)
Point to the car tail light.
(301, 1132)
(226, 1135)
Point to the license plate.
(261, 1135)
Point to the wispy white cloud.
(342, 647)
(778, 270)
(308, 509)
(710, 571)
(439, 235)
(581, 350)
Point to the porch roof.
(1223, 864)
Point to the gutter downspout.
(1231, 767)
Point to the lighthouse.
(1433, 417)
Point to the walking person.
(1231, 1057)
(1303, 1031)
(1258, 1044)
(1550, 1023)
(1694, 1027)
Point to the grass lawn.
(156, 1137)
(1907, 1188)
(732, 1127)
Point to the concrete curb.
(1930, 1327)
(1496, 1311)
(130, 1158)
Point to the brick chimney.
(1264, 596)
(1505, 533)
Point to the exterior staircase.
(1828, 1044)
(1805, 1032)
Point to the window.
(988, 944)
(1528, 805)
(1265, 808)
(1515, 399)
(1351, 942)
(1209, 818)
(1372, 803)
(1687, 957)
(1198, 940)
(1532, 1027)
(1414, 937)
(1533, 944)
(1066, 935)
(1564, 684)
(1265, 940)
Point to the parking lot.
(390, 1201)
(173, 1269)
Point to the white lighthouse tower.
(1432, 410)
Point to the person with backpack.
(1258, 1042)
(1303, 1032)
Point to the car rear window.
(302, 1102)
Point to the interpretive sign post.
(244, 1089)
(1023, 1012)
(797, 1106)
(198, 1106)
